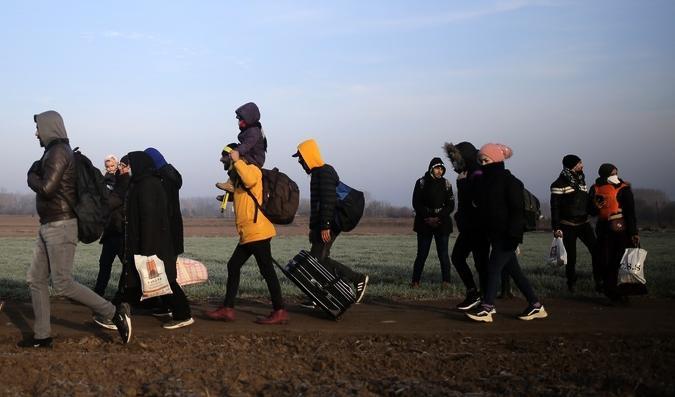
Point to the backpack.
(349, 208)
(532, 212)
(91, 207)
(280, 198)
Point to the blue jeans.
(423, 247)
(506, 260)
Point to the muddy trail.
(380, 347)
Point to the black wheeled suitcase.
(330, 292)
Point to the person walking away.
(433, 202)
(613, 203)
(255, 236)
(323, 230)
(54, 180)
(149, 232)
(471, 239)
(112, 239)
(569, 217)
(501, 205)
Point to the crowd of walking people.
(145, 219)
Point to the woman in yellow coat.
(255, 234)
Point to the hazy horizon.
(380, 85)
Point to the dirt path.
(379, 348)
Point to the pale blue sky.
(380, 84)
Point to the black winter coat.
(172, 182)
(323, 197)
(433, 198)
(115, 225)
(147, 221)
(568, 203)
(467, 217)
(500, 203)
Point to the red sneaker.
(276, 317)
(221, 313)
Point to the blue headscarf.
(156, 156)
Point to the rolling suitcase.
(330, 292)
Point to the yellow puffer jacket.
(244, 207)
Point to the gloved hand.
(35, 167)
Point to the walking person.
(613, 203)
(54, 180)
(255, 236)
(149, 232)
(323, 230)
(569, 217)
(433, 202)
(471, 239)
(112, 240)
(501, 206)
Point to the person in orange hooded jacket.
(255, 235)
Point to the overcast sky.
(381, 85)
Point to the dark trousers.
(587, 236)
(610, 249)
(262, 252)
(476, 243)
(111, 248)
(129, 290)
(423, 247)
(321, 251)
(502, 259)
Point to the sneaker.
(308, 305)
(276, 317)
(45, 343)
(471, 301)
(104, 322)
(481, 313)
(533, 312)
(122, 321)
(360, 288)
(162, 313)
(175, 324)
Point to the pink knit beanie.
(496, 151)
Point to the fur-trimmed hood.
(463, 156)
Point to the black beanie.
(605, 170)
(570, 161)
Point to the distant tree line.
(654, 208)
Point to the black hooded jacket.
(115, 225)
(500, 204)
(252, 141)
(433, 198)
(147, 221)
(53, 178)
(172, 182)
(464, 157)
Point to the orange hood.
(309, 150)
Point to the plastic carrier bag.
(190, 271)
(632, 266)
(154, 281)
(557, 255)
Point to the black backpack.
(281, 197)
(91, 207)
(532, 212)
(349, 208)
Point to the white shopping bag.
(632, 269)
(154, 281)
(557, 255)
(190, 271)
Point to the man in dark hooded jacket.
(471, 239)
(148, 232)
(433, 202)
(252, 140)
(54, 180)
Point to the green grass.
(387, 259)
